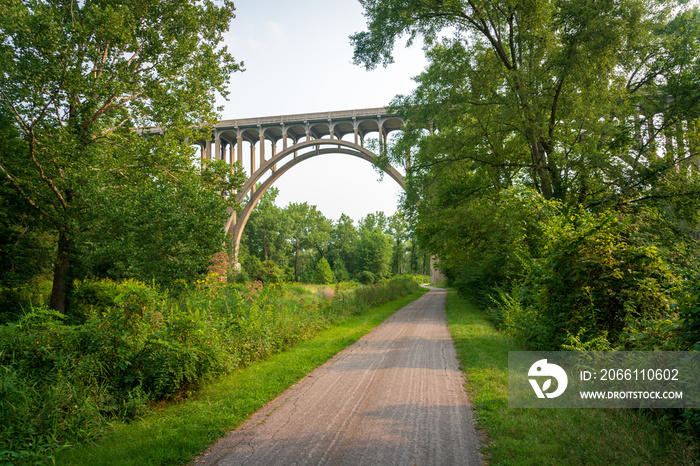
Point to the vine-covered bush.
(593, 280)
(571, 278)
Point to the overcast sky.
(298, 59)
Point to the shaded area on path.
(394, 397)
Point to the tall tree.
(398, 230)
(342, 247)
(373, 249)
(587, 103)
(308, 228)
(77, 77)
(569, 97)
(267, 229)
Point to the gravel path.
(393, 398)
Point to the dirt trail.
(393, 398)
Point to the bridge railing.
(301, 117)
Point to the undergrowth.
(124, 346)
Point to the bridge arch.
(311, 134)
(237, 222)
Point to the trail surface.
(395, 397)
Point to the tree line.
(298, 243)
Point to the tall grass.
(124, 346)
(176, 433)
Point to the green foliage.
(689, 309)
(269, 272)
(595, 277)
(324, 274)
(127, 344)
(297, 237)
(26, 247)
(340, 273)
(157, 231)
(16, 300)
(553, 161)
(366, 277)
(77, 79)
(558, 277)
(373, 252)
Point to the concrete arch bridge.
(268, 147)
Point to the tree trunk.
(540, 164)
(61, 273)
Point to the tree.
(267, 229)
(564, 97)
(79, 76)
(342, 246)
(373, 250)
(398, 230)
(591, 104)
(320, 231)
(154, 231)
(308, 228)
(323, 275)
(375, 220)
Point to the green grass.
(175, 434)
(549, 436)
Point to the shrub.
(323, 274)
(16, 300)
(269, 272)
(593, 279)
(366, 277)
(97, 296)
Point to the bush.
(366, 277)
(550, 274)
(323, 274)
(269, 272)
(98, 296)
(594, 279)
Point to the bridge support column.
(262, 150)
(274, 153)
(252, 160)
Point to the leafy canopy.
(78, 79)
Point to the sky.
(298, 59)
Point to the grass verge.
(175, 434)
(549, 436)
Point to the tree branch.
(27, 198)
